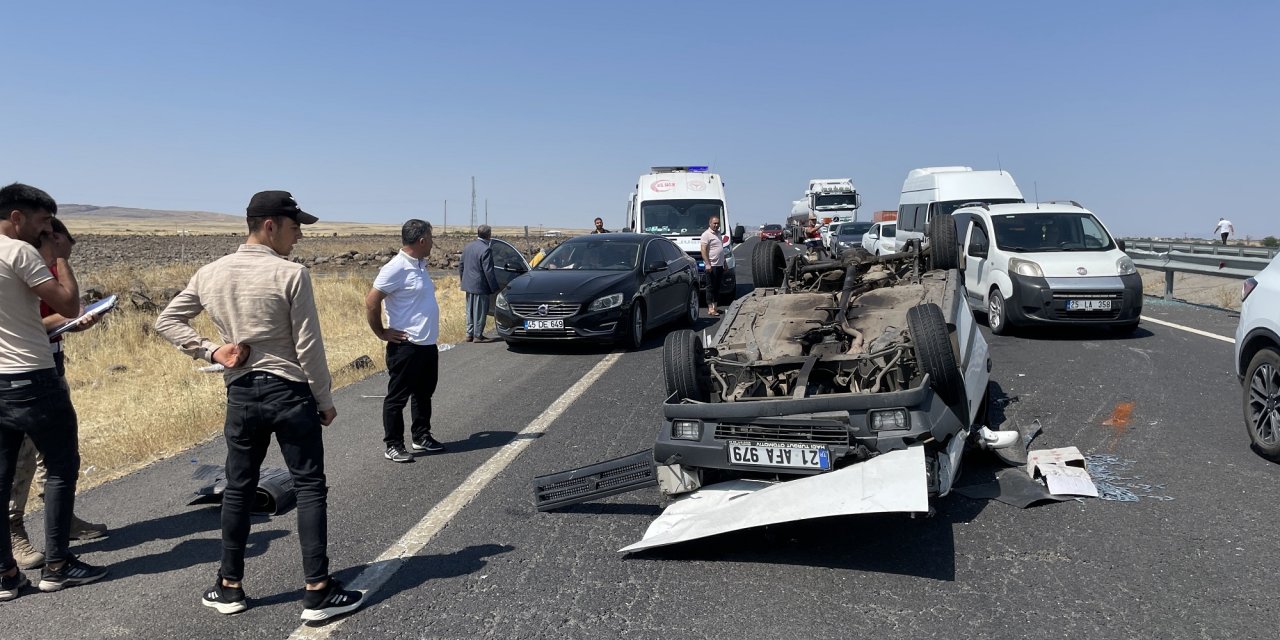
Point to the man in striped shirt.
(278, 383)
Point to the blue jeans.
(37, 405)
(477, 313)
(259, 405)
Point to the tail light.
(725, 240)
(1247, 288)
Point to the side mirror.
(738, 232)
(655, 266)
(518, 268)
(978, 251)
(873, 236)
(1120, 243)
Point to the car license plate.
(1088, 305)
(535, 325)
(777, 454)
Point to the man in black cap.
(277, 383)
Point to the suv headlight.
(607, 302)
(501, 302)
(1025, 268)
(1125, 266)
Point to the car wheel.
(944, 249)
(767, 263)
(1262, 402)
(691, 315)
(997, 315)
(682, 365)
(635, 326)
(932, 341)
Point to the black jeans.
(258, 405)
(38, 405)
(413, 371)
(715, 277)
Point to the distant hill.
(87, 212)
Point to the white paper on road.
(1068, 481)
(892, 482)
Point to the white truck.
(677, 202)
(832, 200)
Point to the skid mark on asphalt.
(384, 566)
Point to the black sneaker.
(427, 444)
(73, 573)
(331, 601)
(225, 599)
(11, 586)
(397, 454)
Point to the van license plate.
(534, 325)
(777, 454)
(1088, 305)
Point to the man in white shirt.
(1224, 229)
(34, 400)
(412, 358)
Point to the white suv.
(1258, 359)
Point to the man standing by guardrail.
(1224, 229)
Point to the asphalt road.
(1192, 558)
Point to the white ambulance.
(677, 202)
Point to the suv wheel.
(932, 341)
(1262, 402)
(682, 365)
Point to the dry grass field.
(139, 399)
(1195, 288)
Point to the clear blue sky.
(1159, 116)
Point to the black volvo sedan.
(604, 287)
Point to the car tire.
(935, 355)
(767, 264)
(691, 314)
(682, 366)
(635, 325)
(1262, 403)
(944, 249)
(997, 312)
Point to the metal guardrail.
(1172, 262)
(1210, 248)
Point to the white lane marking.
(1190, 330)
(384, 566)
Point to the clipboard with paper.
(96, 309)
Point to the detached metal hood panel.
(891, 482)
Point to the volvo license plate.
(537, 325)
(779, 454)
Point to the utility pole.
(486, 211)
(473, 204)
(444, 231)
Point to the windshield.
(773, 227)
(1043, 232)
(853, 229)
(680, 217)
(592, 256)
(837, 200)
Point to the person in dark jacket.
(479, 281)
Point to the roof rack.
(976, 203)
(1070, 202)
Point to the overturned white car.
(826, 364)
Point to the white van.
(677, 202)
(1045, 263)
(935, 191)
